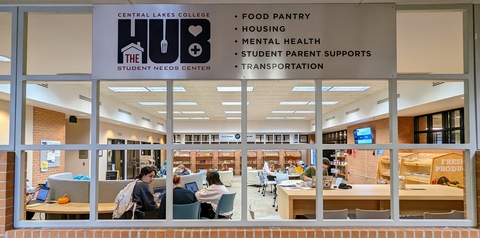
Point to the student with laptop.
(308, 174)
(211, 196)
(180, 196)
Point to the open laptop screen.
(192, 186)
(159, 191)
(42, 194)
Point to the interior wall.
(4, 122)
(362, 164)
(77, 133)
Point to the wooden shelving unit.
(181, 157)
(203, 160)
(226, 156)
(291, 156)
(383, 169)
(340, 163)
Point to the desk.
(435, 198)
(71, 208)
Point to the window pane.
(59, 43)
(4, 112)
(58, 111)
(430, 175)
(419, 36)
(362, 105)
(437, 122)
(5, 42)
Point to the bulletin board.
(111, 175)
(49, 157)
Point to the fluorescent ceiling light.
(193, 112)
(164, 89)
(231, 112)
(4, 58)
(295, 118)
(309, 88)
(275, 118)
(200, 118)
(165, 112)
(233, 89)
(152, 103)
(185, 103)
(181, 118)
(349, 88)
(128, 89)
(329, 102)
(293, 103)
(283, 111)
(233, 103)
(234, 118)
(304, 112)
(82, 114)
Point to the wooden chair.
(372, 214)
(444, 215)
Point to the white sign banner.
(235, 137)
(281, 41)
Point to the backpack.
(123, 201)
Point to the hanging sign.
(281, 41)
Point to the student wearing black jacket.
(180, 196)
(141, 194)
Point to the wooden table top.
(69, 208)
(380, 192)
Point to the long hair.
(146, 170)
(213, 178)
(177, 179)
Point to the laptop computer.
(160, 191)
(192, 186)
(326, 183)
(41, 196)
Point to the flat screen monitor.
(363, 135)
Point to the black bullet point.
(235, 16)
(235, 53)
(236, 66)
(235, 41)
(235, 28)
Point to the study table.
(431, 198)
(71, 208)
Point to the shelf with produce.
(430, 168)
(383, 170)
(204, 154)
(339, 164)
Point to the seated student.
(224, 167)
(180, 196)
(308, 174)
(299, 167)
(210, 196)
(163, 170)
(31, 194)
(182, 170)
(141, 194)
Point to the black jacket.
(144, 199)
(180, 196)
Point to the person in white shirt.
(211, 196)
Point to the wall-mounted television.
(363, 135)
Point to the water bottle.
(46, 183)
(275, 172)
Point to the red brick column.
(7, 168)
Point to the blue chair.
(278, 180)
(186, 211)
(225, 205)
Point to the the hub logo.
(168, 40)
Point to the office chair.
(252, 214)
(335, 214)
(186, 211)
(267, 182)
(444, 215)
(225, 204)
(278, 181)
(372, 214)
(261, 181)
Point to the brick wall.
(47, 125)
(7, 169)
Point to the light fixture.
(181, 118)
(185, 103)
(165, 112)
(200, 118)
(293, 103)
(128, 89)
(295, 118)
(309, 88)
(233, 103)
(152, 103)
(324, 103)
(4, 59)
(82, 115)
(348, 88)
(234, 118)
(233, 89)
(305, 112)
(275, 118)
(193, 112)
(283, 111)
(232, 112)
(164, 89)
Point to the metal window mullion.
(319, 148)
(94, 161)
(244, 146)
(169, 194)
(393, 133)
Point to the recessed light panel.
(165, 112)
(193, 112)
(4, 58)
(232, 112)
(185, 103)
(293, 103)
(234, 118)
(233, 103)
(329, 102)
(181, 118)
(128, 89)
(200, 118)
(305, 112)
(152, 103)
(295, 118)
(233, 89)
(275, 118)
(348, 88)
(164, 89)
